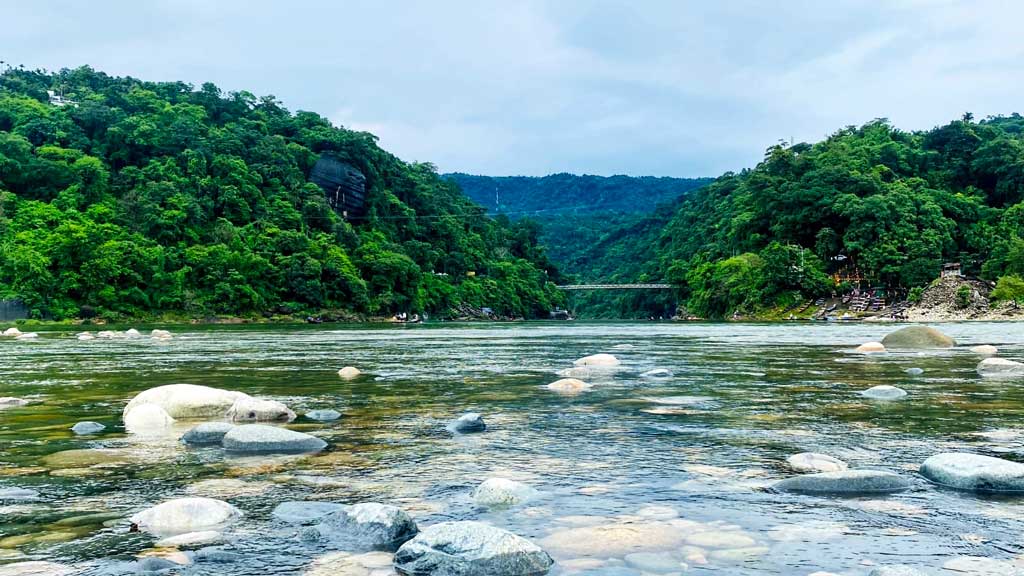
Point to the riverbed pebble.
(470, 548)
(349, 373)
(366, 526)
(468, 423)
(845, 482)
(974, 472)
(264, 438)
(815, 462)
(323, 415)
(884, 392)
(184, 515)
(503, 492)
(87, 427)
(569, 386)
(597, 360)
(207, 433)
(870, 348)
(917, 337)
(301, 512)
(1000, 368)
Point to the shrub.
(915, 294)
(1010, 287)
(963, 296)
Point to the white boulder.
(884, 392)
(569, 386)
(349, 373)
(27, 336)
(975, 472)
(815, 462)
(188, 401)
(597, 360)
(503, 492)
(249, 409)
(86, 336)
(11, 402)
(12, 331)
(870, 348)
(132, 333)
(1000, 368)
(147, 419)
(185, 515)
(985, 350)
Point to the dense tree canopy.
(146, 198)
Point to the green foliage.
(150, 198)
(915, 294)
(1009, 287)
(963, 296)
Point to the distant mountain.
(519, 196)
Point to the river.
(682, 462)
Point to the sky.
(642, 87)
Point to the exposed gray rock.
(367, 526)
(264, 438)
(815, 462)
(468, 423)
(249, 409)
(975, 472)
(884, 392)
(1000, 368)
(88, 428)
(207, 433)
(299, 512)
(155, 565)
(470, 549)
(184, 515)
(503, 492)
(188, 400)
(325, 415)
(917, 337)
(845, 482)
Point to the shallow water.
(680, 463)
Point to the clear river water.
(639, 475)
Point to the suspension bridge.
(576, 287)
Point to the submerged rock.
(597, 360)
(815, 462)
(86, 336)
(207, 433)
(914, 371)
(367, 526)
(884, 392)
(249, 409)
(88, 428)
(470, 549)
(132, 333)
(325, 415)
(18, 494)
(468, 423)
(147, 419)
(845, 482)
(503, 492)
(1000, 368)
(35, 568)
(975, 472)
(299, 512)
(569, 386)
(897, 570)
(191, 539)
(657, 373)
(184, 515)
(917, 337)
(985, 350)
(188, 401)
(870, 348)
(158, 334)
(27, 336)
(263, 438)
(615, 539)
(349, 373)
(10, 402)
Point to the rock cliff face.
(343, 184)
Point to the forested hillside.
(141, 198)
(873, 202)
(582, 221)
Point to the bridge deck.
(616, 287)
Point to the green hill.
(157, 198)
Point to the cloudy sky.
(675, 87)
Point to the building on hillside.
(951, 269)
(60, 100)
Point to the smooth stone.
(27, 336)
(249, 409)
(884, 392)
(184, 515)
(88, 428)
(845, 482)
(188, 401)
(215, 554)
(614, 540)
(191, 539)
(324, 415)
(897, 570)
(815, 462)
(569, 386)
(348, 564)
(10, 402)
(597, 360)
(471, 549)
(657, 373)
(84, 458)
(914, 371)
(12, 332)
(367, 526)
(84, 337)
(35, 568)
(155, 565)
(147, 419)
(227, 488)
(870, 348)
(985, 350)
(263, 438)
(503, 492)
(468, 423)
(1000, 368)
(300, 512)
(349, 373)
(158, 334)
(974, 472)
(720, 539)
(917, 337)
(18, 494)
(207, 433)
(654, 562)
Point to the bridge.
(573, 287)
